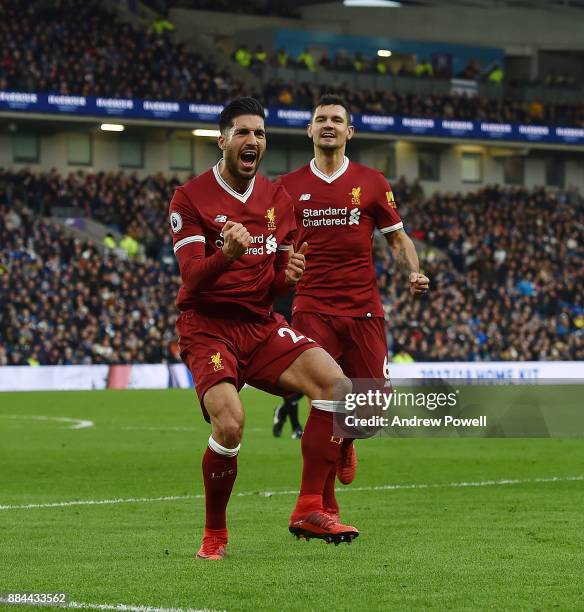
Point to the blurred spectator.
(130, 246)
(282, 58)
(258, 60)
(162, 25)
(243, 56)
(496, 76)
(472, 71)
(424, 69)
(401, 356)
(358, 63)
(259, 56)
(324, 63)
(306, 60)
(381, 67)
(109, 242)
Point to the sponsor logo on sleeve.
(176, 222)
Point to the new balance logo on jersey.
(304, 197)
(354, 216)
(271, 244)
(221, 218)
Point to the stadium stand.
(119, 200)
(511, 287)
(506, 268)
(251, 7)
(455, 106)
(64, 302)
(79, 48)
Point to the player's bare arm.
(406, 259)
(296, 265)
(237, 240)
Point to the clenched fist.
(236, 239)
(419, 284)
(296, 265)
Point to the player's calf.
(347, 466)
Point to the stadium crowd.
(64, 302)
(506, 266)
(511, 286)
(124, 202)
(73, 47)
(78, 48)
(451, 106)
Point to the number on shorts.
(286, 331)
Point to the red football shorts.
(238, 350)
(357, 344)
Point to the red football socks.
(219, 473)
(329, 500)
(320, 453)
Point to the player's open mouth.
(327, 134)
(248, 158)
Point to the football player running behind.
(338, 204)
(233, 232)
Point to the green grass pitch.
(493, 545)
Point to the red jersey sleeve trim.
(392, 228)
(188, 240)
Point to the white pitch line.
(387, 487)
(79, 605)
(77, 423)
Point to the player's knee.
(228, 432)
(334, 384)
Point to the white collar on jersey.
(242, 197)
(332, 177)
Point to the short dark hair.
(333, 100)
(240, 106)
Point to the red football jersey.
(198, 212)
(337, 216)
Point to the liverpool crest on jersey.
(356, 196)
(216, 361)
(271, 217)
